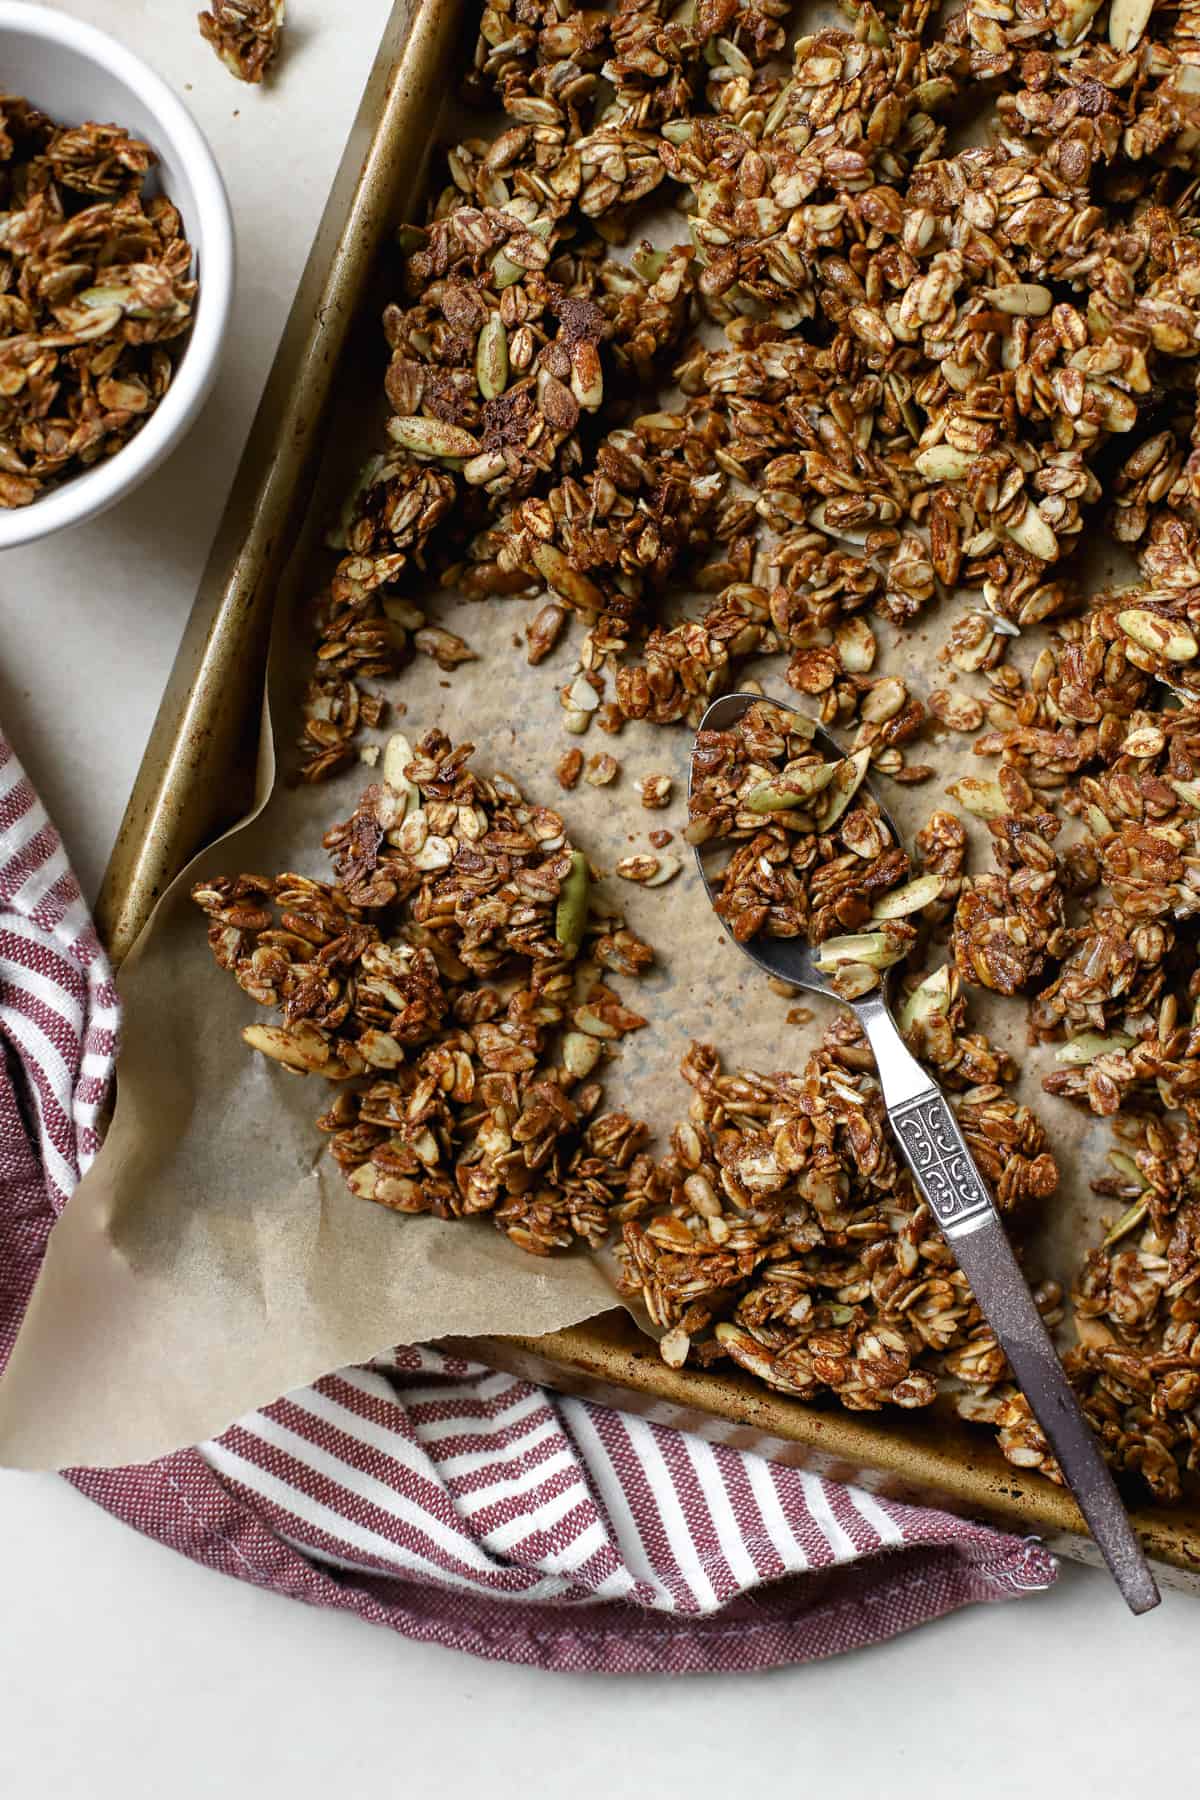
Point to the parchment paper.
(213, 1258)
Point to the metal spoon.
(944, 1170)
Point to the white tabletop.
(127, 1671)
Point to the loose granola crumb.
(655, 791)
(601, 770)
(569, 768)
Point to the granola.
(438, 974)
(875, 370)
(246, 34)
(96, 295)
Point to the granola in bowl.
(96, 296)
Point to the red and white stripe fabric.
(452, 1503)
(58, 1004)
(430, 1469)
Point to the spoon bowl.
(791, 959)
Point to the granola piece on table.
(246, 34)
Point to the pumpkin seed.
(491, 358)
(431, 437)
(791, 790)
(570, 915)
(851, 773)
(1129, 1221)
(583, 594)
(931, 1000)
(871, 948)
(908, 899)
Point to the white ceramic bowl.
(76, 73)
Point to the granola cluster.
(96, 293)
(246, 34)
(875, 367)
(439, 974)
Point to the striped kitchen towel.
(455, 1504)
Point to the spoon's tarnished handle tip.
(1140, 1590)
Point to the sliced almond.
(1032, 533)
(1188, 791)
(851, 980)
(1023, 299)
(435, 853)
(1144, 740)
(397, 757)
(1074, 17)
(942, 462)
(1163, 637)
(883, 700)
(1086, 1046)
(580, 1054)
(303, 1048)
(851, 773)
(856, 644)
(592, 1025)
(1127, 20)
(582, 696)
(380, 1050)
(668, 868)
(637, 868)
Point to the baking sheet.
(213, 1257)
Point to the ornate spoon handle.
(945, 1172)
